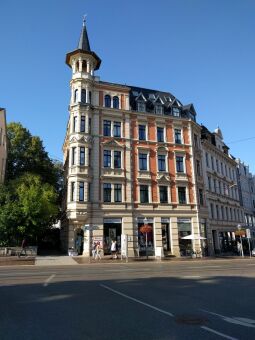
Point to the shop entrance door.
(112, 231)
(165, 238)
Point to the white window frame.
(149, 193)
(186, 193)
(147, 152)
(166, 161)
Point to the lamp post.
(239, 227)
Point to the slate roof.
(84, 40)
(155, 97)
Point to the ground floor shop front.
(164, 236)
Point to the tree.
(30, 199)
(28, 207)
(26, 154)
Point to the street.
(140, 300)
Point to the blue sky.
(201, 51)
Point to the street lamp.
(239, 227)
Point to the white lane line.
(235, 320)
(218, 333)
(47, 281)
(138, 301)
(205, 267)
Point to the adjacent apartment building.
(132, 156)
(224, 210)
(3, 144)
(246, 186)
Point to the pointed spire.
(84, 40)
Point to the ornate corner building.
(133, 156)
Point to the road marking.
(47, 281)
(204, 267)
(236, 320)
(218, 333)
(138, 301)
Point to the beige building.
(3, 144)
(129, 160)
(222, 197)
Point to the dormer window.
(107, 101)
(116, 102)
(158, 109)
(152, 96)
(176, 112)
(141, 106)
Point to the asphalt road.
(144, 300)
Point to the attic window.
(176, 112)
(158, 109)
(151, 96)
(141, 106)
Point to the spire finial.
(84, 20)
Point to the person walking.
(94, 249)
(114, 249)
(23, 247)
(98, 251)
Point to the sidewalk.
(55, 260)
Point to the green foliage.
(30, 199)
(26, 154)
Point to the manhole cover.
(191, 320)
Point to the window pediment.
(112, 143)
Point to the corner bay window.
(107, 192)
(182, 195)
(178, 136)
(144, 194)
(73, 155)
(161, 163)
(142, 132)
(82, 155)
(107, 128)
(82, 128)
(142, 161)
(81, 191)
(163, 194)
(72, 196)
(107, 158)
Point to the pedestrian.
(98, 251)
(94, 250)
(23, 247)
(114, 249)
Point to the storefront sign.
(112, 220)
(141, 220)
(183, 220)
(165, 220)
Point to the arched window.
(107, 101)
(115, 102)
(75, 96)
(84, 66)
(77, 67)
(83, 96)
